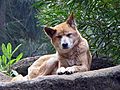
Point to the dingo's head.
(64, 36)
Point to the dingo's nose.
(65, 45)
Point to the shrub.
(6, 60)
(98, 21)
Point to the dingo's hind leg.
(46, 68)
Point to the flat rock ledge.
(102, 79)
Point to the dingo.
(72, 52)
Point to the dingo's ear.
(71, 21)
(49, 31)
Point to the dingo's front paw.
(61, 71)
(70, 70)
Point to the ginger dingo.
(72, 52)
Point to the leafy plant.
(6, 60)
(98, 21)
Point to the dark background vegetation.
(18, 25)
(22, 21)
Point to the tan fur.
(76, 59)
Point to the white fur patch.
(61, 70)
(67, 40)
(70, 69)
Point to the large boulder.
(103, 79)
(97, 63)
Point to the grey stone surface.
(4, 78)
(103, 79)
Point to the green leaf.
(4, 59)
(1, 63)
(19, 57)
(9, 48)
(0, 60)
(16, 49)
(10, 63)
(4, 50)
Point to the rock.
(4, 78)
(97, 63)
(102, 79)
(101, 62)
(22, 66)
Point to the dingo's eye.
(68, 35)
(59, 36)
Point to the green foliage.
(98, 21)
(6, 60)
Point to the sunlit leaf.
(19, 57)
(16, 49)
(4, 50)
(10, 63)
(0, 60)
(9, 48)
(4, 59)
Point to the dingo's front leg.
(61, 71)
(71, 70)
(85, 58)
(74, 69)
